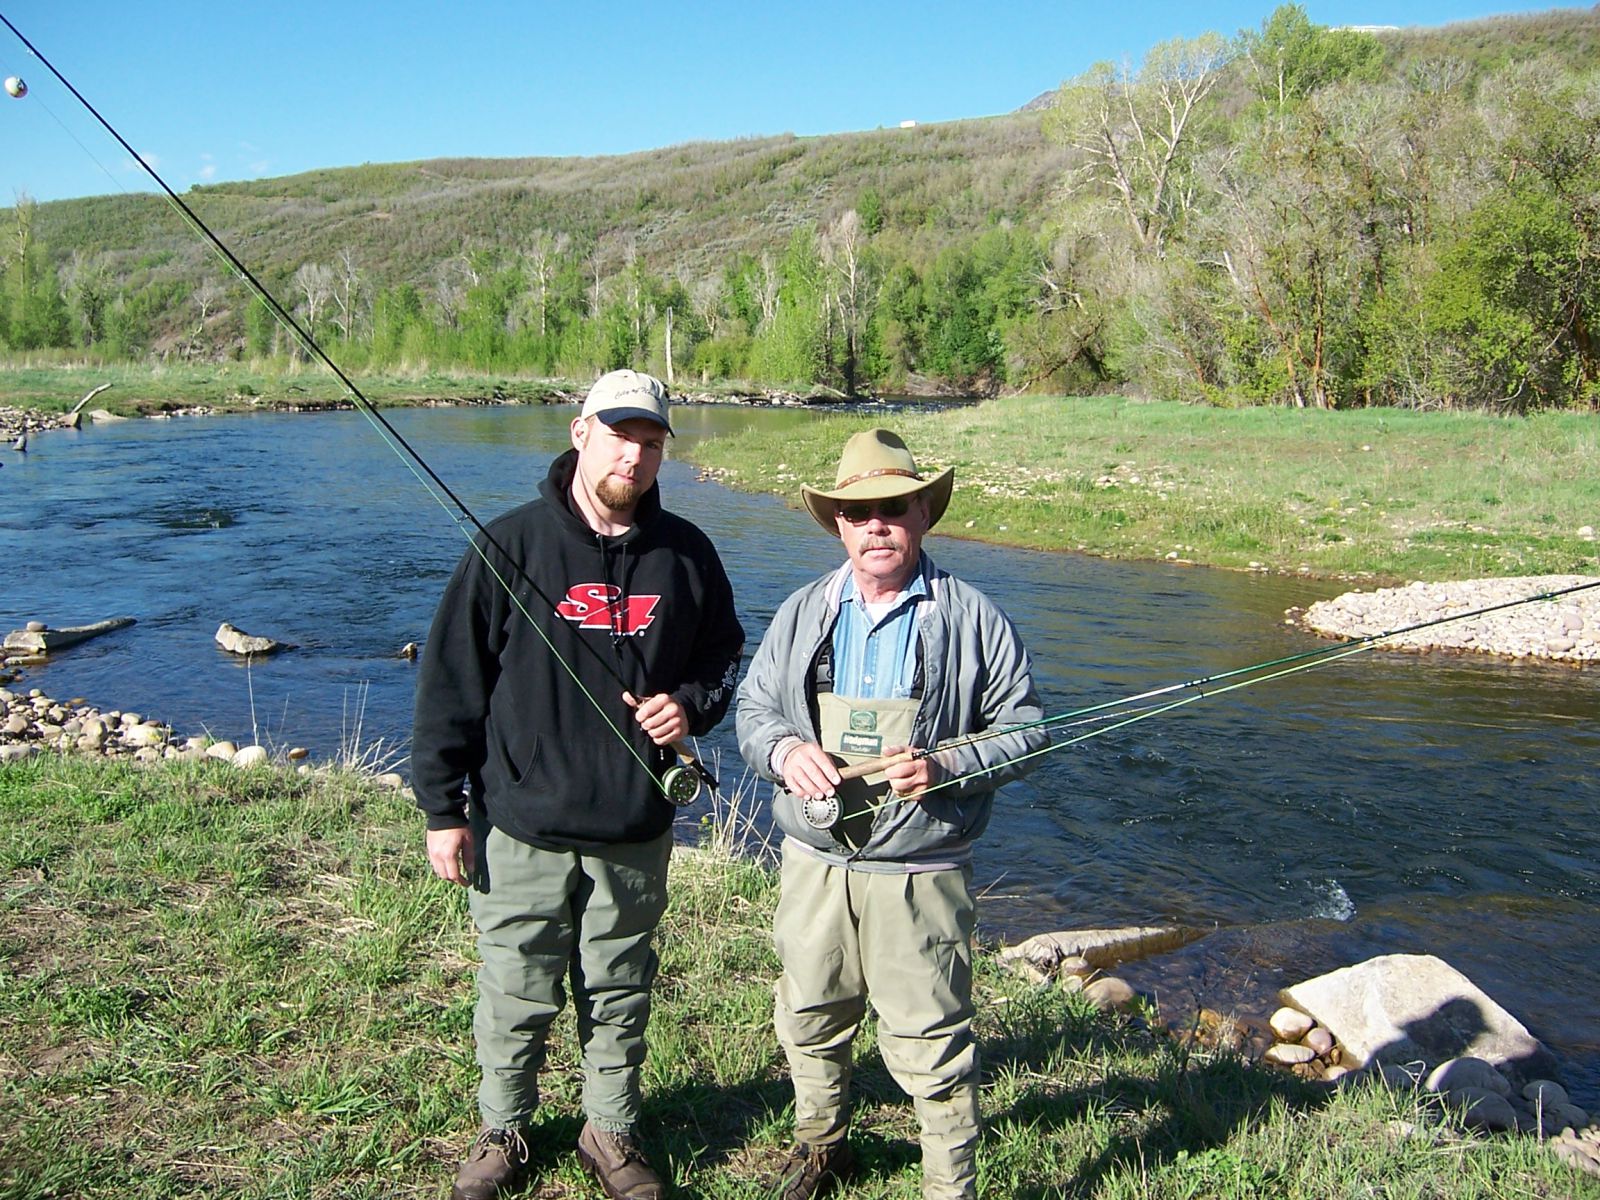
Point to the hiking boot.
(497, 1165)
(812, 1170)
(618, 1165)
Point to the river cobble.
(1563, 629)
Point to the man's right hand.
(809, 773)
(451, 854)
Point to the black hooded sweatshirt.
(498, 712)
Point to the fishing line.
(1242, 677)
(679, 784)
(1203, 681)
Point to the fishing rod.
(681, 783)
(824, 813)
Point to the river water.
(1390, 803)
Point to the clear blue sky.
(240, 90)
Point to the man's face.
(883, 538)
(619, 462)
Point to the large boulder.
(1404, 1008)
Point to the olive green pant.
(548, 919)
(905, 941)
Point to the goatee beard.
(618, 497)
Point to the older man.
(582, 636)
(887, 656)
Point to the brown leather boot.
(496, 1166)
(618, 1165)
(812, 1170)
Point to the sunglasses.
(889, 508)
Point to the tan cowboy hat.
(874, 466)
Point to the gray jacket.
(976, 675)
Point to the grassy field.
(1380, 494)
(248, 985)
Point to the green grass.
(1368, 494)
(140, 389)
(248, 985)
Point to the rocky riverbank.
(1562, 629)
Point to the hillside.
(688, 208)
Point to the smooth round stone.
(222, 750)
(17, 726)
(250, 756)
(1483, 1109)
(1546, 1092)
(1319, 1041)
(1285, 1055)
(1565, 1115)
(36, 627)
(297, 753)
(143, 735)
(1109, 992)
(1467, 1072)
(1074, 964)
(391, 780)
(1290, 1024)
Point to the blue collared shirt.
(876, 661)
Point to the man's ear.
(580, 432)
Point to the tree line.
(1296, 215)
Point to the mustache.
(879, 543)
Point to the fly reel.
(820, 812)
(682, 785)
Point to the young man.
(886, 653)
(588, 631)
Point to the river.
(1388, 803)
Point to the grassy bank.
(138, 390)
(247, 985)
(1383, 494)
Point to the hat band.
(844, 483)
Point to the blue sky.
(241, 90)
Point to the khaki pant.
(552, 918)
(905, 940)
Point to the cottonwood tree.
(844, 251)
(347, 292)
(541, 254)
(1137, 132)
(314, 282)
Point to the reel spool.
(821, 813)
(682, 785)
(682, 782)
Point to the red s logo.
(601, 606)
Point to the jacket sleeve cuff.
(447, 821)
(780, 754)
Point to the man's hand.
(660, 716)
(908, 780)
(451, 854)
(809, 773)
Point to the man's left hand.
(661, 717)
(908, 780)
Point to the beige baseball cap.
(623, 395)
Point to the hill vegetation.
(1295, 214)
